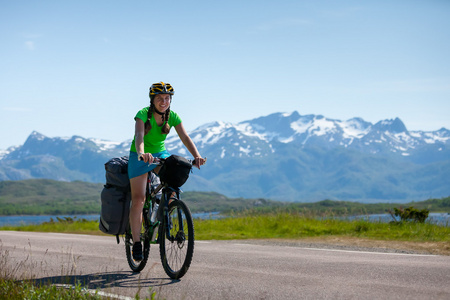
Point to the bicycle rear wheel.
(177, 249)
(136, 266)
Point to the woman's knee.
(137, 199)
(138, 187)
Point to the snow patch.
(286, 140)
(353, 129)
(245, 150)
(322, 127)
(247, 129)
(105, 145)
(222, 155)
(3, 153)
(300, 126)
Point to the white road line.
(364, 252)
(96, 292)
(345, 251)
(109, 295)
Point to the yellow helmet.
(161, 88)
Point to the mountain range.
(282, 156)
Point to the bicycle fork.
(168, 224)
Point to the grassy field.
(292, 226)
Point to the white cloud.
(30, 45)
(30, 38)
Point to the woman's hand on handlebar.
(146, 157)
(199, 161)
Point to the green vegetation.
(214, 202)
(14, 288)
(49, 197)
(282, 225)
(411, 214)
(11, 289)
(65, 225)
(346, 208)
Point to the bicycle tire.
(177, 250)
(136, 266)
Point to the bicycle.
(167, 222)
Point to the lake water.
(442, 219)
(435, 218)
(25, 220)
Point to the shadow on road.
(105, 280)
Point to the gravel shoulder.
(361, 244)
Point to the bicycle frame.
(167, 193)
(149, 205)
(175, 238)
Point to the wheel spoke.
(177, 249)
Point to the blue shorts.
(138, 167)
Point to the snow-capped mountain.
(279, 156)
(267, 135)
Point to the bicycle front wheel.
(177, 246)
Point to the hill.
(45, 196)
(50, 197)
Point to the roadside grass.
(19, 290)
(66, 225)
(14, 286)
(283, 225)
(10, 289)
(17, 282)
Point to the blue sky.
(84, 67)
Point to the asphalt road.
(226, 270)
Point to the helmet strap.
(159, 113)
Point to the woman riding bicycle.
(152, 125)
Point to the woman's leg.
(138, 188)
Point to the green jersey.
(154, 139)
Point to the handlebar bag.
(175, 171)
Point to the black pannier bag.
(115, 197)
(175, 171)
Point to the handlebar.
(160, 161)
